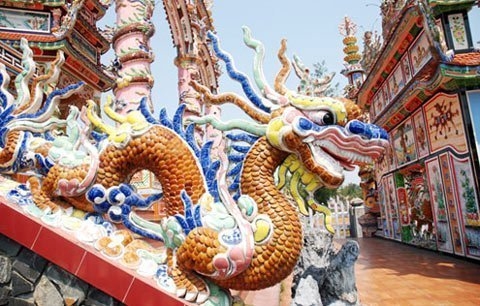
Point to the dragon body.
(227, 221)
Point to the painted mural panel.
(396, 81)
(382, 200)
(381, 99)
(419, 53)
(407, 70)
(404, 143)
(381, 167)
(418, 228)
(420, 134)
(403, 206)
(390, 193)
(32, 21)
(390, 156)
(444, 123)
(376, 107)
(435, 187)
(468, 202)
(452, 206)
(458, 31)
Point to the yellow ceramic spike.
(327, 214)
(294, 165)
(302, 207)
(313, 185)
(96, 121)
(307, 177)
(107, 108)
(282, 176)
(136, 120)
(273, 131)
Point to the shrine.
(105, 201)
(423, 86)
(219, 221)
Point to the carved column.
(131, 42)
(188, 71)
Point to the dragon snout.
(366, 130)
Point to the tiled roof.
(4, 35)
(44, 2)
(449, 2)
(466, 59)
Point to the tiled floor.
(389, 273)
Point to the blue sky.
(310, 27)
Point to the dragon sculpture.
(227, 221)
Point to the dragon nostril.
(305, 124)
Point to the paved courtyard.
(390, 273)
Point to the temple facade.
(54, 25)
(423, 86)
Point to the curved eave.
(90, 73)
(92, 34)
(31, 37)
(208, 72)
(464, 69)
(424, 85)
(76, 63)
(79, 65)
(66, 28)
(393, 48)
(432, 79)
(99, 6)
(205, 12)
(443, 6)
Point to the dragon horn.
(38, 84)
(259, 76)
(233, 98)
(96, 120)
(284, 71)
(237, 75)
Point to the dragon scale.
(227, 222)
(273, 261)
(159, 150)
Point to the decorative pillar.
(353, 69)
(369, 221)
(188, 71)
(190, 38)
(355, 73)
(212, 134)
(133, 56)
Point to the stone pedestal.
(369, 225)
(324, 274)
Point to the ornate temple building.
(423, 86)
(50, 26)
(189, 23)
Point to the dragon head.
(326, 136)
(324, 133)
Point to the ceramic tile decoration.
(225, 219)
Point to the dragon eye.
(328, 118)
(323, 117)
